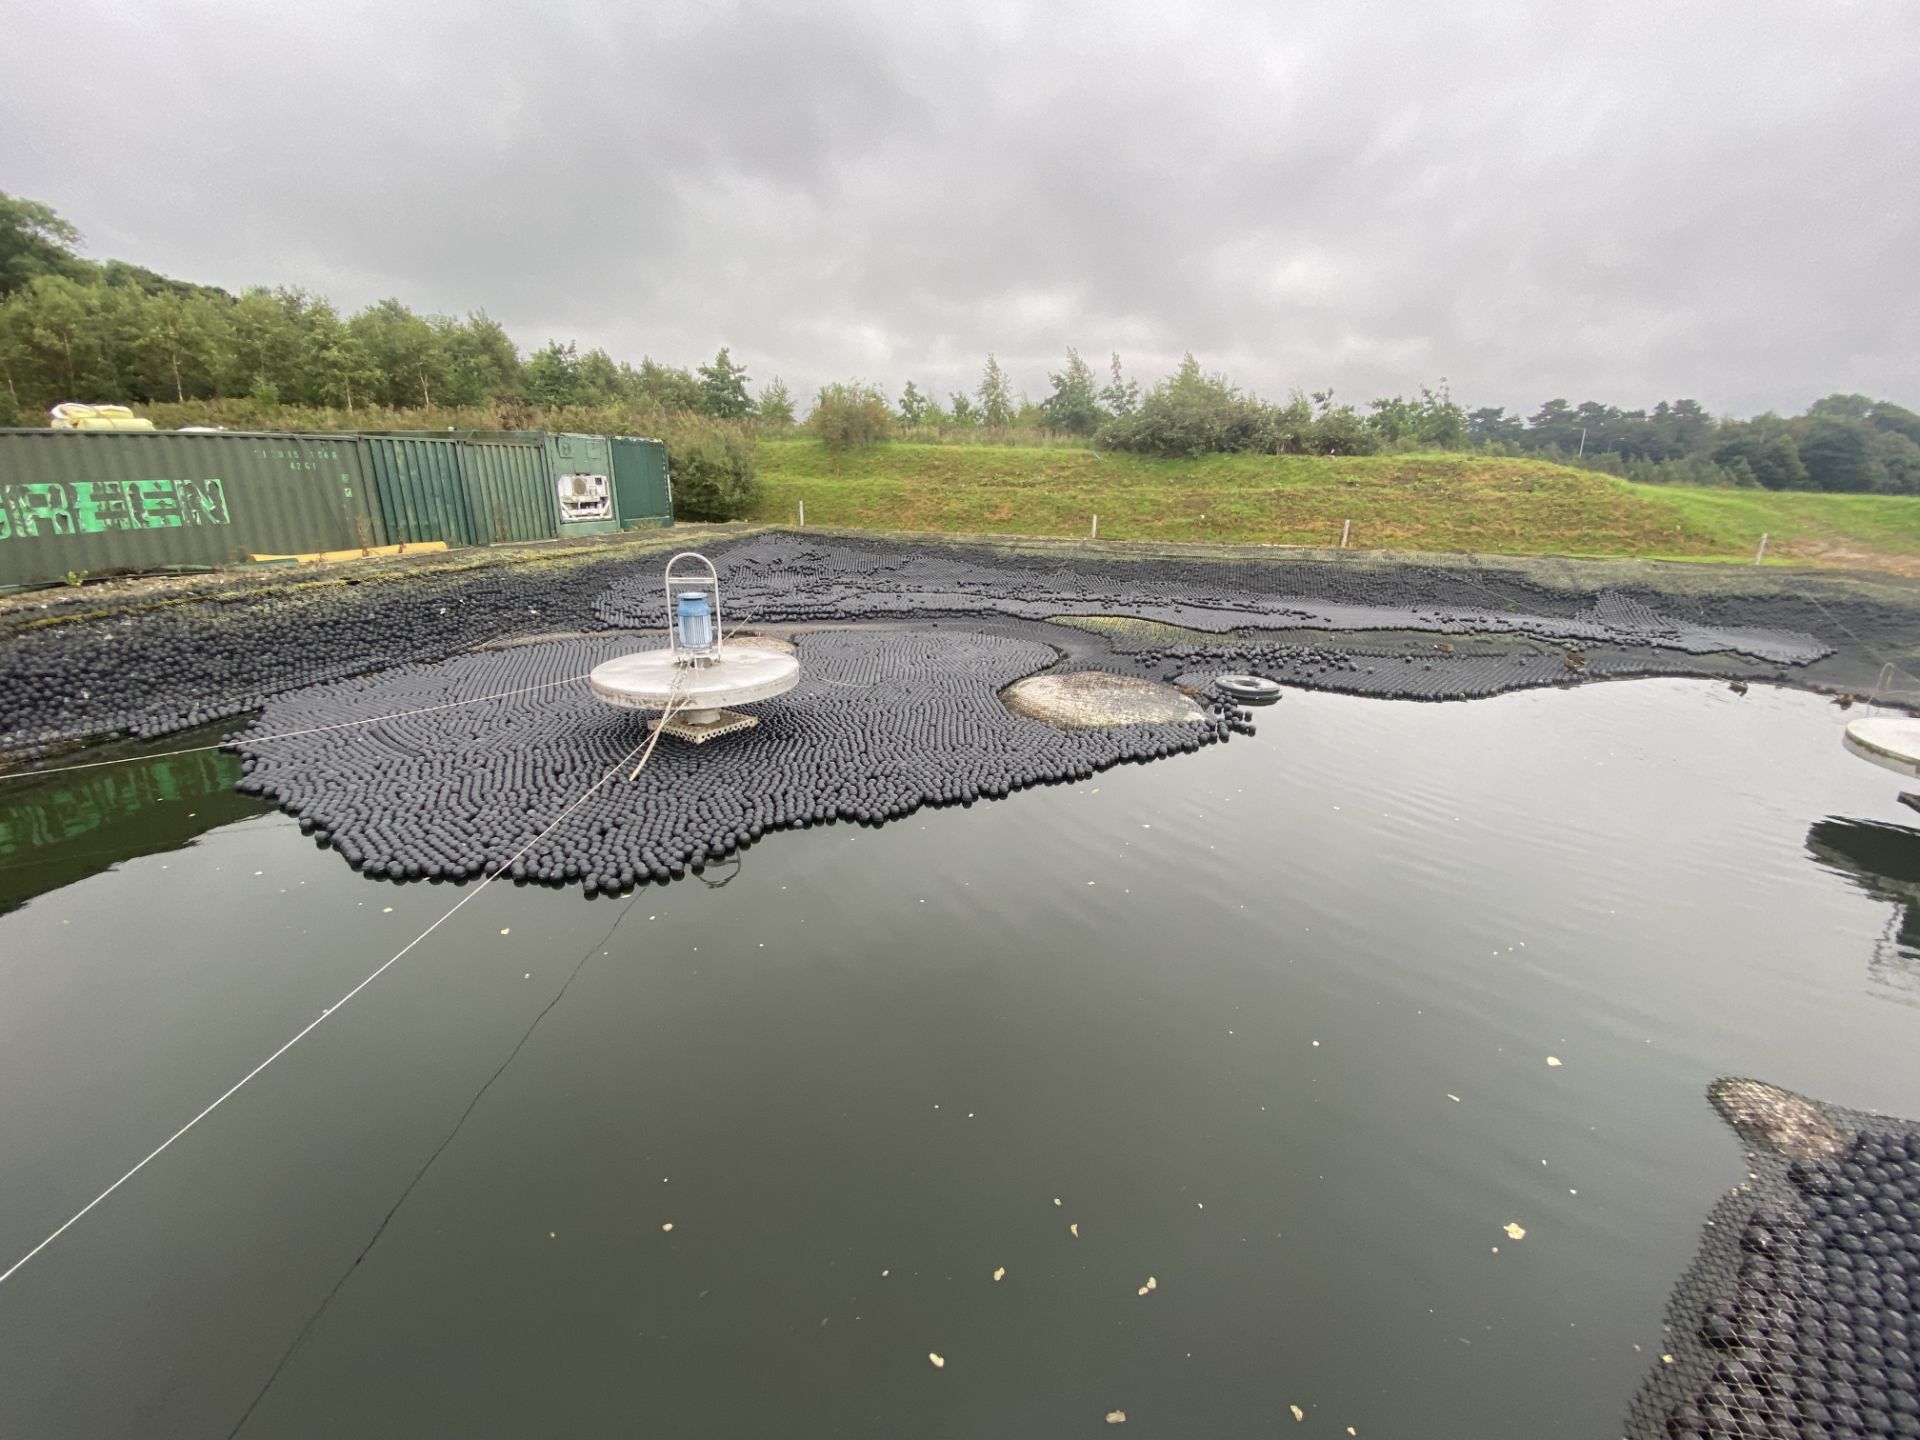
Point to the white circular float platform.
(699, 694)
(1889, 741)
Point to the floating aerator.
(692, 681)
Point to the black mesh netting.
(881, 723)
(1800, 1316)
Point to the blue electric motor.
(693, 619)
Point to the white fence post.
(803, 514)
(1346, 529)
(1761, 553)
(1096, 525)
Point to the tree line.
(76, 329)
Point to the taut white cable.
(283, 734)
(309, 1027)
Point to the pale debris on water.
(939, 1361)
(1116, 1417)
(1056, 1199)
(1298, 1413)
(1553, 1059)
(507, 930)
(667, 1226)
(1001, 1273)
(1074, 1229)
(1514, 1231)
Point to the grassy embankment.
(1396, 502)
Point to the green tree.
(1762, 450)
(723, 388)
(266, 340)
(1839, 454)
(17, 368)
(1192, 413)
(35, 241)
(963, 410)
(1841, 407)
(551, 376)
(1431, 420)
(918, 409)
(1899, 460)
(996, 396)
(600, 381)
(1885, 415)
(713, 469)
(64, 337)
(1074, 405)
(409, 353)
(339, 369)
(178, 345)
(775, 406)
(1119, 396)
(665, 387)
(1553, 426)
(483, 363)
(1492, 425)
(850, 415)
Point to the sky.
(1626, 201)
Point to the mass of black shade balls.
(794, 577)
(1418, 672)
(150, 671)
(1803, 1317)
(222, 650)
(882, 723)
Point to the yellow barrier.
(314, 557)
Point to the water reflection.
(1884, 861)
(63, 828)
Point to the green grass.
(1396, 502)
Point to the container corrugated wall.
(509, 489)
(419, 490)
(641, 494)
(93, 502)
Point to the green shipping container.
(583, 483)
(419, 489)
(642, 492)
(98, 502)
(509, 488)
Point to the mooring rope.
(313, 1024)
(458, 1125)
(673, 706)
(288, 734)
(284, 734)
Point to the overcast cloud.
(1622, 201)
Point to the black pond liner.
(1800, 1315)
(204, 657)
(881, 723)
(792, 577)
(154, 670)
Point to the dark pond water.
(1271, 1023)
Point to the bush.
(847, 415)
(1191, 413)
(713, 470)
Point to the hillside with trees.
(77, 329)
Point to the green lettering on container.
(30, 511)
